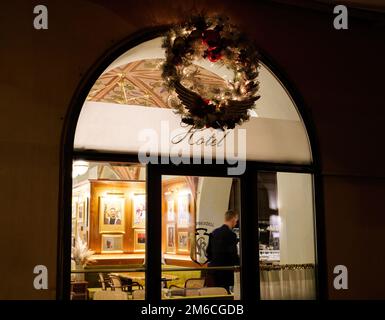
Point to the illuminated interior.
(109, 204)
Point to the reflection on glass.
(108, 231)
(286, 236)
(194, 230)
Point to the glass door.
(200, 249)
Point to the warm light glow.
(79, 168)
(183, 192)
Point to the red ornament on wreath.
(214, 55)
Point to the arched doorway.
(126, 97)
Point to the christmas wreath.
(219, 42)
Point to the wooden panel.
(127, 189)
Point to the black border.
(249, 265)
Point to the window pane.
(108, 227)
(192, 209)
(286, 236)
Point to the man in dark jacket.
(222, 251)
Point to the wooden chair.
(116, 284)
(104, 281)
(192, 283)
(130, 285)
(195, 283)
(191, 287)
(212, 291)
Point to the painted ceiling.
(140, 83)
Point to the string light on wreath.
(219, 42)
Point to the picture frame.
(112, 243)
(170, 238)
(112, 214)
(183, 241)
(86, 210)
(170, 210)
(183, 210)
(80, 211)
(139, 240)
(73, 227)
(74, 209)
(139, 210)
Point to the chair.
(212, 291)
(129, 284)
(138, 294)
(105, 281)
(192, 283)
(195, 283)
(110, 295)
(191, 287)
(117, 284)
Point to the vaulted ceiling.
(140, 83)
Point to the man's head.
(231, 218)
(112, 213)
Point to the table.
(79, 290)
(141, 276)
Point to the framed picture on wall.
(112, 243)
(139, 210)
(139, 240)
(183, 210)
(111, 214)
(73, 227)
(183, 241)
(74, 208)
(170, 238)
(80, 211)
(86, 210)
(170, 210)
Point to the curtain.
(288, 284)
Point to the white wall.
(213, 200)
(295, 206)
(115, 127)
